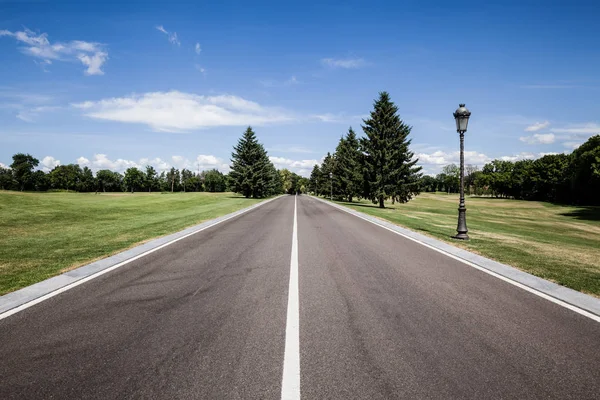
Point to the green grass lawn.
(44, 234)
(557, 243)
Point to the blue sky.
(113, 85)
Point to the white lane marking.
(290, 383)
(104, 271)
(487, 271)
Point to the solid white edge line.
(40, 299)
(487, 271)
(290, 382)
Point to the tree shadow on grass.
(584, 213)
(346, 203)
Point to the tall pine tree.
(347, 169)
(252, 173)
(315, 179)
(389, 167)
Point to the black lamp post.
(331, 178)
(461, 115)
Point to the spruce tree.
(252, 173)
(389, 167)
(347, 172)
(315, 179)
(326, 184)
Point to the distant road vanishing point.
(297, 299)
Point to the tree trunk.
(349, 199)
(381, 205)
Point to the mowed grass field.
(45, 234)
(557, 243)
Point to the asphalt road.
(380, 317)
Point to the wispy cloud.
(197, 48)
(27, 106)
(338, 118)
(587, 129)
(179, 112)
(346, 63)
(200, 68)
(172, 36)
(539, 138)
(91, 54)
(273, 83)
(290, 149)
(537, 126)
(31, 114)
(572, 145)
(548, 86)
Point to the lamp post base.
(461, 236)
(461, 228)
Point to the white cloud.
(2, 165)
(202, 161)
(346, 63)
(441, 158)
(539, 138)
(83, 162)
(197, 48)
(178, 112)
(537, 126)
(93, 62)
(91, 54)
(301, 167)
(48, 163)
(101, 161)
(172, 36)
(518, 157)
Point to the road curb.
(18, 300)
(571, 297)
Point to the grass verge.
(554, 242)
(45, 234)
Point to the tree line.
(559, 178)
(252, 174)
(72, 177)
(378, 167)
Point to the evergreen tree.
(252, 173)
(347, 170)
(315, 179)
(327, 185)
(389, 167)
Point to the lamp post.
(461, 116)
(331, 179)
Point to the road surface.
(371, 315)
